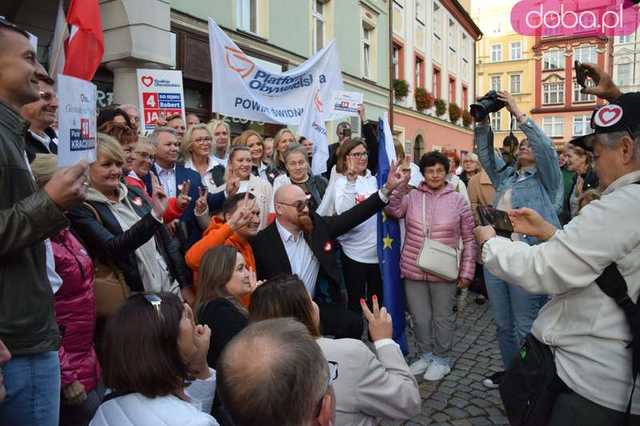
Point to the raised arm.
(491, 163)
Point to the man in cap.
(586, 328)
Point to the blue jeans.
(33, 390)
(514, 310)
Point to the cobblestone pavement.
(460, 399)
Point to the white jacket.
(137, 410)
(586, 328)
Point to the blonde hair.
(43, 167)
(214, 124)
(110, 148)
(244, 136)
(277, 163)
(187, 140)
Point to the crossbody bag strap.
(94, 211)
(427, 229)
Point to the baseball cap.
(621, 115)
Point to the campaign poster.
(76, 120)
(346, 102)
(160, 94)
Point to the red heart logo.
(608, 115)
(238, 61)
(147, 80)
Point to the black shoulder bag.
(529, 389)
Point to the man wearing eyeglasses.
(41, 114)
(300, 242)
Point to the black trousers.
(363, 280)
(572, 409)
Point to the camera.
(487, 104)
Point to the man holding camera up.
(534, 181)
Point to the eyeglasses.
(202, 140)
(333, 376)
(359, 154)
(299, 205)
(145, 155)
(155, 301)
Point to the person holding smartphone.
(239, 171)
(534, 181)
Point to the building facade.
(504, 61)
(434, 55)
(626, 62)
(559, 107)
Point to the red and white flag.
(85, 46)
(56, 51)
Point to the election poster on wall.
(76, 120)
(346, 102)
(245, 89)
(160, 94)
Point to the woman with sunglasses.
(353, 184)
(155, 364)
(368, 385)
(299, 173)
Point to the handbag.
(437, 258)
(109, 285)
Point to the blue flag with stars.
(389, 251)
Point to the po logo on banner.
(238, 61)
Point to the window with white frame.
(581, 125)
(516, 50)
(453, 39)
(367, 39)
(319, 25)
(553, 93)
(247, 15)
(585, 54)
(496, 120)
(465, 69)
(395, 56)
(514, 83)
(398, 17)
(420, 11)
(578, 96)
(437, 20)
(496, 53)
(553, 126)
(495, 83)
(625, 38)
(624, 74)
(553, 60)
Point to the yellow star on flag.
(387, 242)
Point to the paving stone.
(499, 420)
(458, 402)
(440, 417)
(463, 422)
(474, 411)
(481, 421)
(456, 413)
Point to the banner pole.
(392, 67)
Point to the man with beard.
(41, 114)
(300, 243)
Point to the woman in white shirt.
(152, 349)
(353, 184)
(196, 148)
(239, 169)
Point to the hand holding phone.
(499, 219)
(581, 75)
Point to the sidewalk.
(460, 399)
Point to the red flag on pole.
(85, 46)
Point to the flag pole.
(392, 67)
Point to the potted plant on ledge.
(467, 119)
(424, 100)
(454, 113)
(441, 107)
(400, 88)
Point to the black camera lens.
(487, 104)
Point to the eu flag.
(389, 249)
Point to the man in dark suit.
(300, 243)
(172, 176)
(41, 114)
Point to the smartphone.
(499, 219)
(581, 75)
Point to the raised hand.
(350, 172)
(68, 187)
(255, 283)
(604, 87)
(201, 202)
(380, 322)
(197, 365)
(159, 200)
(529, 222)
(183, 197)
(243, 214)
(233, 183)
(511, 106)
(396, 177)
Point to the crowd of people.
(192, 277)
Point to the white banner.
(312, 127)
(244, 89)
(76, 120)
(160, 94)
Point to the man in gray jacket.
(28, 216)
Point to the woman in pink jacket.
(431, 298)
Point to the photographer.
(535, 181)
(588, 331)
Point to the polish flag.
(85, 46)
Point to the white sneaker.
(419, 366)
(436, 371)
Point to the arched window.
(418, 147)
